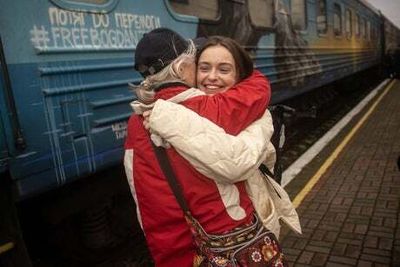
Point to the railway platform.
(348, 196)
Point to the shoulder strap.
(170, 175)
(264, 169)
(266, 172)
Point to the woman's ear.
(182, 67)
(177, 69)
(181, 70)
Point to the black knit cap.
(157, 49)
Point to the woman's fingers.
(146, 121)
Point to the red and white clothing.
(166, 231)
(227, 159)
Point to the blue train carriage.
(298, 44)
(65, 106)
(321, 41)
(64, 94)
(391, 36)
(65, 69)
(65, 66)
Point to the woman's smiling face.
(216, 70)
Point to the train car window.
(97, 2)
(203, 9)
(337, 20)
(348, 25)
(261, 12)
(362, 27)
(357, 22)
(372, 32)
(368, 30)
(299, 14)
(94, 6)
(322, 25)
(375, 32)
(181, 1)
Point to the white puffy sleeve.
(214, 153)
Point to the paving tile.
(351, 216)
(319, 259)
(306, 257)
(343, 260)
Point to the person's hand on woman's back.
(146, 121)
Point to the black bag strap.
(266, 172)
(166, 167)
(264, 169)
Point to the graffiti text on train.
(68, 29)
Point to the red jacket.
(166, 231)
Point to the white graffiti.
(61, 17)
(68, 29)
(119, 130)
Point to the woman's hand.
(146, 117)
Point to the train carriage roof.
(370, 6)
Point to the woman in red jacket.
(219, 208)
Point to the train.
(66, 64)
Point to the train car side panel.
(70, 62)
(69, 71)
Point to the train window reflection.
(299, 18)
(97, 2)
(322, 25)
(93, 6)
(369, 30)
(348, 23)
(374, 32)
(362, 27)
(337, 20)
(357, 31)
(261, 12)
(203, 9)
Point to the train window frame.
(368, 31)
(190, 17)
(362, 27)
(304, 19)
(72, 5)
(337, 7)
(260, 26)
(321, 17)
(358, 26)
(375, 31)
(365, 35)
(348, 27)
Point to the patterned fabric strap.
(248, 246)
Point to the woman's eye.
(203, 68)
(225, 70)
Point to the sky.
(390, 8)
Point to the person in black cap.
(167, 233)
(157, 49)
(154, 54)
